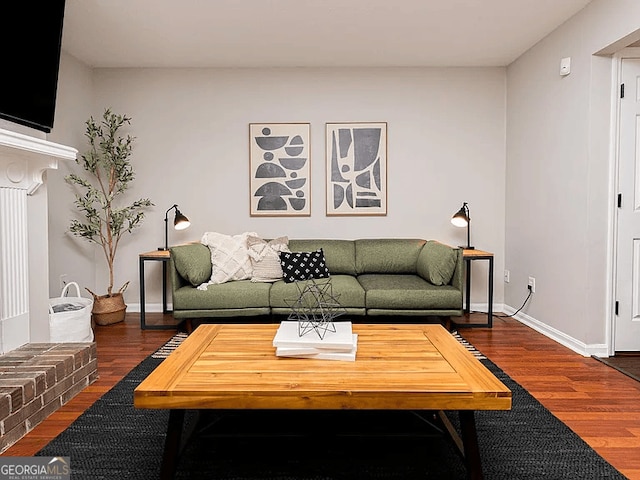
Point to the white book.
(340, 340)
(304, 350)
(320, 353)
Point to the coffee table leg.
(470, 443)
(172, 444)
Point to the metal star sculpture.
(315, 308)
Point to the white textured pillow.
(229, 257)
(265, 258)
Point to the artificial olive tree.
(107, 164)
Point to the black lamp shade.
(460, 219)
(180, 222)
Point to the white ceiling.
(308, 33)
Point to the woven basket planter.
(109, 309)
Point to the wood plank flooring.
(597, 402)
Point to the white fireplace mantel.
(24, 159)
(23, 287)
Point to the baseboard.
(484, 307)
(586, 350)
(149, 307)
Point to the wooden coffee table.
(397, 367)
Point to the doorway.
(626, 324)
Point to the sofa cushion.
(340, 255)
(407, 292)
(346, 289)
(437, 262)
(387, 255)
(229, 256)
(230, 295)
(265, 258)
(193, 262)
(303, 265)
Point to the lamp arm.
(166, 215)
(166, 226)
(466, 209)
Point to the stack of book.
(328, 345)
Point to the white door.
(627, 327)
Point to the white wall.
(558, 204)
(74, 106)
(446, 131)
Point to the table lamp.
(462, 219)
(180, 222)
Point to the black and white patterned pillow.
(303, 265)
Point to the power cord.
(523, 304)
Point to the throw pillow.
(193, 262)
(437, 262)
(265, 258)
(303, 265)
(229, 257)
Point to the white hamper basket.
(70, 317)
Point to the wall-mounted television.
(30, 41)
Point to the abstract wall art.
(279, 158)
(356, 168)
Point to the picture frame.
(356, 168)
(279, 169)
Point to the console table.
(470, 255)
(154, 256)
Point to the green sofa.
(371, 277)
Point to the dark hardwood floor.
(597, 402)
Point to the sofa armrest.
(174, 277)
(440, 264)
(189, 264)
(457, 280)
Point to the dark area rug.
(114, 440)
(629, 364)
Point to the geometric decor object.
(315, 308)
(279, 164)
(356, 163)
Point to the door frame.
(616, 76)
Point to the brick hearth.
(37, 379)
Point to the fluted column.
(14, 266)
(23, 161)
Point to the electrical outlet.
(63, 280)
(507, 276)
(532, 284)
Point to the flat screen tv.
(30, 41)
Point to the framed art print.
(279, 158)
(356, 168)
